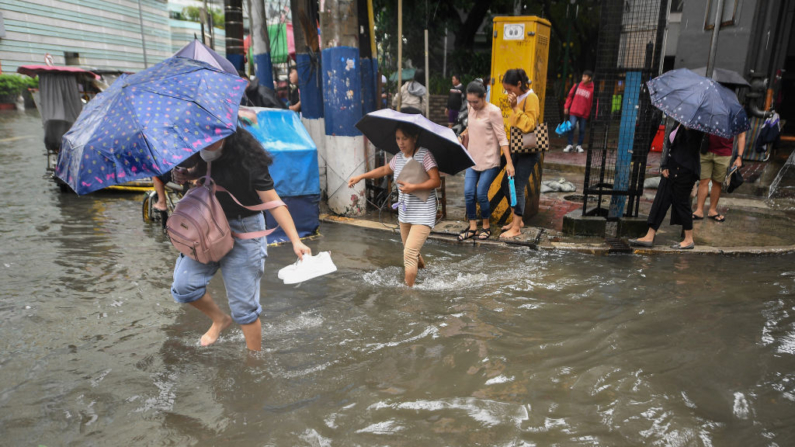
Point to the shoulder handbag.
(198, 228)
(535, 141)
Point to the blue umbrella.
(698, 103)
(147, 123)
(198, 51)
(379, 127)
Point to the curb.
(584, 248)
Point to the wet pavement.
(496, 346)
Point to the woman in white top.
(416, 217)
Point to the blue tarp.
(295, 170)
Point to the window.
(71, 58)
(677, 5)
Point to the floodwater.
(492, 348)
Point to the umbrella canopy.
(406, 74)
(147, 123)
(379, 127)
(724, 76)
(698, 103)
(198, 51)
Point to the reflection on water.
(493, 347)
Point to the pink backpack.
(198, 227)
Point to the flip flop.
(486, 231)
(718, 217)
(467, 234)
(698, 217)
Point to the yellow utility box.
(518, 42)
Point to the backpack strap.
(261, 207)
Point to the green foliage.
(31, 82)
(11, 85)
(193, 14)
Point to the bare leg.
(220, 320)
(473, 225)
(703, 186)
(650, 235)
(714, 196)
(160, 189)
(688, 239)
(421, 263)
(252, 332)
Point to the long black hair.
(243, 150)
(517, 77)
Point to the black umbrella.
(379, 127)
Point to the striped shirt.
(415, 211)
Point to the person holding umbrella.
(416, 216)
(240, 165)
(700, 106)
(152, 121)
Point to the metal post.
(143, 39)
(713, 48)
(233, 24)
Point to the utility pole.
(713, 48)
(260, 43)
(233, 24)
(342, 95)
(400, 51)
(308, 63)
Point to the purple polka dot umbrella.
(698, 103)
(147, 123)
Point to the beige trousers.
(414, 237)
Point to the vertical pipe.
(713, 48)
(260, 43)
(427, 80)
(400, 51)
(143, 39)
(444, 60)
(250, 39)
(233, 24)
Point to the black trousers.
(674, 192)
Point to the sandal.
(484, 234)
(698, 217)
(467, 234)
(718, 217)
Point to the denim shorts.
(242, 269)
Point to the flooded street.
(494, 347)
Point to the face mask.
(209, 156)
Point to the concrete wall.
(693, 46)
(105, 34)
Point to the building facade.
(103, 34)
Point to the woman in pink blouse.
(486, 132)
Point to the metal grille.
(623, 121)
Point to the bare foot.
(510, 225)
(160, 206)
(511, 233)
(211, 336)
(420, 263)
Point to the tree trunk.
(465, 37)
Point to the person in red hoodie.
(578, 108)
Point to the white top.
(415, 211)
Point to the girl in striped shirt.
(416, 217)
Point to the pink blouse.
(486, 136)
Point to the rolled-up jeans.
(242, 269)
(476, 191)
